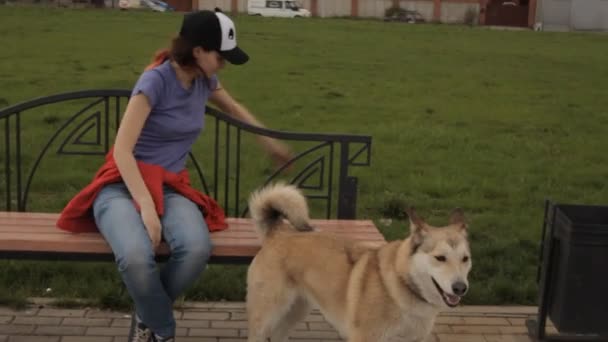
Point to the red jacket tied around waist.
(77, 216)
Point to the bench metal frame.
(354, 150)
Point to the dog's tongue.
(452, 299)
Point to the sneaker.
(139, 332)
(156, 338)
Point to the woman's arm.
(221, 98)
(130, 128)
(138, 110)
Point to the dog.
(368, 293)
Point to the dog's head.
(440, 259)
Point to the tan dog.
(367, 293)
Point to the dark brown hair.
(180, 51)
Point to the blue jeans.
(185, 231)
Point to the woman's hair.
(180, 51)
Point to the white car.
(276, 8)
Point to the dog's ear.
(457, 219)
(418, 228)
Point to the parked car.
(155, 5)
(403, 15)
(276, 8)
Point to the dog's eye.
(440, 258)
(465, 259)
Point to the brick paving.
(226, 322)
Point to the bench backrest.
(51, 146)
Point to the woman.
(142, 191)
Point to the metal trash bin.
(573, 273)
(578, 302)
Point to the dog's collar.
(414, 289)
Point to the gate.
(507, 13)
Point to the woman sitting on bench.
(143, 190)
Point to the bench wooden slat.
(230, 233)
(36, 234)
(22, 215)
(233, 230)
(234, 223)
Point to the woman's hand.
(280, 153)
(152, 223)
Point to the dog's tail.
(269, 205)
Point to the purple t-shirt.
(176, 119)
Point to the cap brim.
(235, 56)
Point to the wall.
(449, 10)
(334, 8)
(564, 15)
(589, 15)
(425, 8)
(225, 5)
(373, 9)
(453, 12)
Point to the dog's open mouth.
(449, 299)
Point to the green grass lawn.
(491, 121)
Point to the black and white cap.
(213, 30)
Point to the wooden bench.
(35, 236)
(86, 120)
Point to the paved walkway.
(226, 322)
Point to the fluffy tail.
(268, 206)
